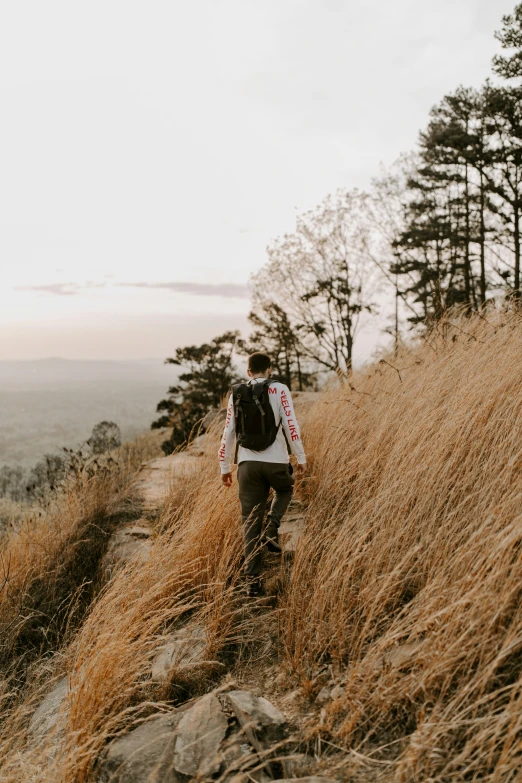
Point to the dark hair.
(259, 362)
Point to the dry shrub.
(408, 578)
(12, 513)
(48, 561)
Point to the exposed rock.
(183, 649)
(323, 696)
(45, 717)
(290, 530)
(293, 698)
(144, 755)
(215, 415)
(238, 756)
(126, 544)
(199, 735)
(261, 721)
(235, 751)
(195, 448)
(401, 655)
(281, 677)
(157, 476)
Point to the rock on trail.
(46, 716)
(127, 544)
(191, 743)
(182, 650)
(144, 754)
(200, 733)
(158, 476)
(261, 721)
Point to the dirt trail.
(156, 478)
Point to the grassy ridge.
(409, 576)
(407, 580)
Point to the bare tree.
(385, 210)
(323, 278)
(273, 334)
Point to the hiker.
(261, 418)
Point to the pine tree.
(321, 276)
(456, 210)
(274, 334)
(504, 177)
(510, 36)
(207, 379)
(427, 259)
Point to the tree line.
(441, 228)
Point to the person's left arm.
(291, 427)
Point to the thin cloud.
(226, 290)
(223, 290)
(60, 289)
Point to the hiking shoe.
(254, 587)
(272, 543)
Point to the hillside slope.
(392, 640)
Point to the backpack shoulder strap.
(257, 390)
(239, 416)
(238, 391)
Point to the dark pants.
(255, 480)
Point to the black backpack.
(255, 424)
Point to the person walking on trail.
(261, 420)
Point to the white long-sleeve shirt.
(282, 405)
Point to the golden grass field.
(407, 581)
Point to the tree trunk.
(482, 241)
(396, 335)
(516, 215)
(288, 369)
(299, 372)
(467, 261)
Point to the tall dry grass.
(407, 581)
(409, 577)
(48, 560)
(192, 577)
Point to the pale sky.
(149, 151)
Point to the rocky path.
(232, 734)
(155, 480)
(157, 477)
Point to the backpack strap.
(236, 396)
(255, 397)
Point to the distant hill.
(49, 403)
(53, 372)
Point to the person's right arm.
(227, 445)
